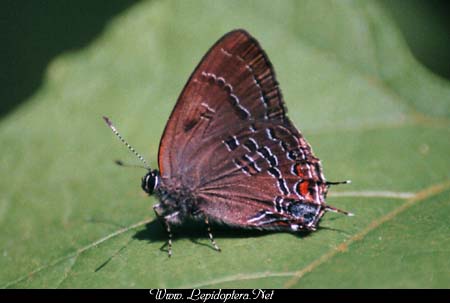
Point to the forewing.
(233, 84)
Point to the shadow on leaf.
(194, 230)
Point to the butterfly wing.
(264, 176)
(234, 79)
(230, 140)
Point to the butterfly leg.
(168, 230)
(213, 242)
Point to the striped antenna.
(116, 132)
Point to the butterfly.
(229, 153)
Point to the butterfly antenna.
(121, 163)
(116, 132)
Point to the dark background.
(34, 32)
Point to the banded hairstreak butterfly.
(230, 154)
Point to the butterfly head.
(150, 181)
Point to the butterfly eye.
(150, 182)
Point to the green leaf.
(70, 218)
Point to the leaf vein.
(79, 251)
(418, 197)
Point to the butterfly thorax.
(176, 201)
